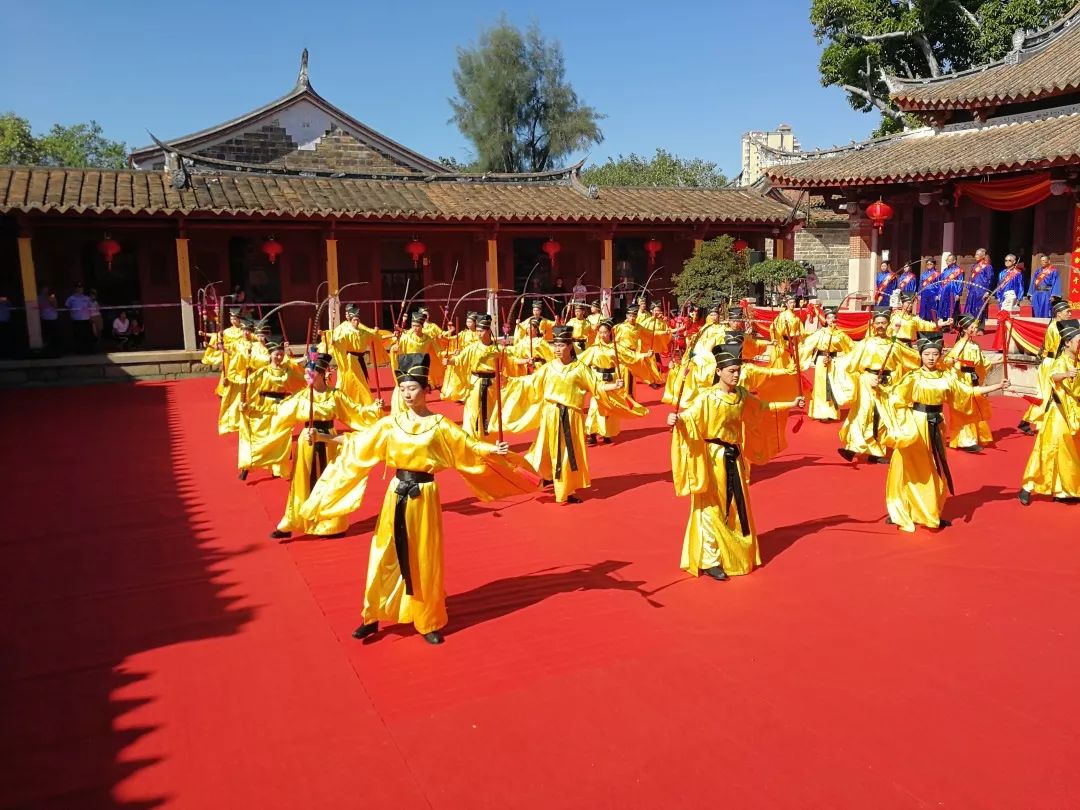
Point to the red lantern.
(272, 248)
(108, 247)
(416, 249)
(652, 247)
(552, 248)
(739, 245)
(879, 213)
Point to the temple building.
(997, 165)
(297, 193)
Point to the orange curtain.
(1010, 194)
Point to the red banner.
(854, 324)
(1010, 194)
(1029, 334)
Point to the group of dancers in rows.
(731, 393)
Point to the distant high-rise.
(763, 149)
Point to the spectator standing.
(78, 305)
(580, 290)
(50, 333)
(97, 324)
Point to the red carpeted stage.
(159, 650)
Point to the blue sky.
(688, 75)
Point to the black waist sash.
(485, 378)
(318, 452)
(606, 374)
(273, 394)
(829, 395)
(566, 438)
(360, 358)
(972, 373)
(884, 375)
(408, 486)
(934, 420)
(734, 483)
(580, 343)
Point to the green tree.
(715, 272)
(662, 169)
(772, 272)
(868, 39)
(515, 104)
(81, 145)
(17, 143)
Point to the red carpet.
(158, 650)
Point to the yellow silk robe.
(478, 358)
(259, 412)
(656, 334)
(787, 334)
(967, 430)
(237, 365)
(906, 327)
(535, 403)
(1051, 342)
(546, 329)
(603, 420)
(583, 330)
(633, 360)
(825, 351)
(526, 348)
(343, 344)
(329, 406)
(866, 358)
(212, 356)
(714, 534)
(1054, 465)
(696, 368)
(914, 490)
(429, 444)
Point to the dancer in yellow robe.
(1059, 311)
(596, 314)
(713, 445)
(602, 423)
(238, 360)
(553, 400)
(969, 432)
(825, 351)
(456, 382)
(1053, 468)
(919, 478)
(529, 351)
(481, 363)
(546, 324)
(635, 359)
(584, 330)
(873, 359)
(416, 341)
(787, 333)
(268, 386)
(905, 325)
(219, 342)
(405, 566)
(348, 344)
(316, 408)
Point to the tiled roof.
(926, 155)
(1046, 64)
(130, 191)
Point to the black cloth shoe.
(1024, 496)
(971, 448)
(546, 482)
(591, 440)
(434, 637)
(279, 535)
(243, 475)
(335, 536)
(889, 521)
(944, 524)
(573, 499)
(1025, 427)
(845, 454)
(365, 630)
(716, 572)
(876, 460)
(605, 440)
(1066, 499)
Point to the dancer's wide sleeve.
(763, 425)
(689, 462)
(354, 415)
(489, 475)
(340, 489)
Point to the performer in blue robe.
(886, 283)
(1010, 279)
(1045, 283)
(930, 291)
(980, 284)
(950, 286)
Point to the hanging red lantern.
(739, 245)
(652, 247)
(272, 248)
(416, 249)
(879, 213)
(108, 247)
(552, 248)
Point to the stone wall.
(826, 246)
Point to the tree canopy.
(515, 105)
(80, 145)
(916, 39)
(662, 169)
(715, 272)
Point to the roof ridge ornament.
(303, 80)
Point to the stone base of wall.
(95, 368)
(826, 246)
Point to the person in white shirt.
(121, 329)
(78, 304)
(580, 291)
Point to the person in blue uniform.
(1011, 279)
(952, 284)
(930, 291)
(886, 283)
(908, 280)
(1045, 284)
(980, 284)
